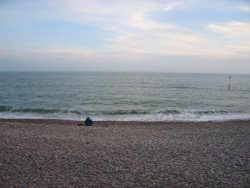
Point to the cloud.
(234, 36)
(244, 8)
(168, 44)
(172, 5)
(134, 32)
(232, 29)
(63, 53)
(69, 52)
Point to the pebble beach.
(57, 153)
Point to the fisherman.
(88, 121)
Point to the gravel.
(54, 153)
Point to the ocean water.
(125, 96)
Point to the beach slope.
(54, 153)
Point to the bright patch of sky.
(143, 35)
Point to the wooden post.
(229, 84)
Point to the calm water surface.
(124, 96)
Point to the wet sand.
(54, 153)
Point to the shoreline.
(182, 117)
(58, 153)
(74, 122)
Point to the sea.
(109, 96)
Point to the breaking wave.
(123, 115)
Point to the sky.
(207, 36)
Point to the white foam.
(175, 117)
(185, 116)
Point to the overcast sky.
(125, 35)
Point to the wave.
(124, 115)
(124, 112)
(110, 112)
(187, 87)
(196, 112)
(36, 110)
(4, 109)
